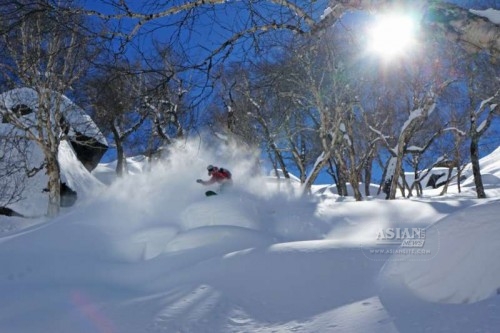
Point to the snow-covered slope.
(490, 170)
(152, 254)
(464, 269)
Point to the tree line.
(281, 75)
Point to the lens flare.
(392, 35)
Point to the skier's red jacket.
(218, 176)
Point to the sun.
(392, 35)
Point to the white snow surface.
(151, 253)
(470, 234)
(491, 14)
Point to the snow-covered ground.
(150, 253)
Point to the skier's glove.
(199, 181)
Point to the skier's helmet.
(211, 169)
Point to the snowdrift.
(151, 253)
(464, 268)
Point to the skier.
(218, 175)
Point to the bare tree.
(283, 87)
(263, 115)
(452, 149)
(486, 109)
(418, 99)
(255, 114)
(170, 111)
(478, 82)
(48, 51)
(326, 97)
(15, 165)
(117, 95)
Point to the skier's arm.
(207, 182)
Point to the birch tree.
(452, 149)
(420, 101)
(266, 115)
(47, 50)
(485, 111)
(117, 95)
(483, 92)
(15, 166)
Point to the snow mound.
(489, 181)
(224, 239)
(464, 268)
(219, 211)
(489, 166)
(332, 191)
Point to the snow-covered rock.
(77, 155)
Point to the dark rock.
(68, 196)
(433, 180)
(9, 212)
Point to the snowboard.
(210, 193)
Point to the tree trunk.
(54, 184)
(354, 175)
(416, 181)
(302, 159)
(385, 177)
(331, 171)
(404, 183)
(475, 134)
(299, 159)
(476, 170)
(448, 180)
(318, 166)
(368, 179)
(341, 176)
(280, 160)
(397, 169)
(275, 167)
(355, 188)
(120, 153)
(353, 178)
(459, 178)
(120, 160)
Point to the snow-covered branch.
(486, 105)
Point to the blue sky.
(210, 36)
